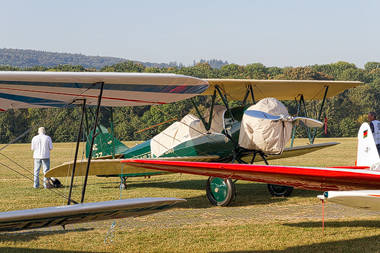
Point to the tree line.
(344, 112)
(24, 58)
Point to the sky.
(272, 32)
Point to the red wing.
(311, 178)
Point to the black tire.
(123, 186)
(220, 191)
(280, 190)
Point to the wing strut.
(69, 200)
(301, 103)
(93, 139)
(113, 137)
(320, 112)
(249, 91)
(224, 99)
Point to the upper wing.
(311, 178)
(280, 89)
(80, 213)
(108, 167)
(28, 89)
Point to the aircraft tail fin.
(367, 154)
(103, 146)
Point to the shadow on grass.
(365, 244)
(247, 193)
(199, 184)
(30, 235)
(12, 250)
(335, 224)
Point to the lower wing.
(113, 167)
(311, 178)
(292, 151)
(81, 213)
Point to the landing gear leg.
(275, 190)
(220, 191)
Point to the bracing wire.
(193, 129)
(28, 131)
(196, 130)
(111, 232)
(32, 179)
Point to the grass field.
(255, 222)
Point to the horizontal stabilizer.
(81, 213)
(368, 199)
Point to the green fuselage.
(206, 144)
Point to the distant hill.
(29, 58)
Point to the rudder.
(103, 144)
(367, 154)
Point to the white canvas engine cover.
(189, 127)
(265, 135)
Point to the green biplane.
(217, 134)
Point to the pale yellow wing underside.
(280, 89)
(295, 151)
(114, 167)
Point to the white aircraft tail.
(367, 151)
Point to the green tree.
(126, 66)
(369, 66)
(302, 73)
(232, 71)
(256, 71)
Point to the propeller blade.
(261, 115)
(307, 122)
(301, 121)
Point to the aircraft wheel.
(220, 191)
(123, 186)
(280, 190)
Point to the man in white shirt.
(41, 145)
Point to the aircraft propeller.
(301, 121)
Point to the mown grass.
(258, 232)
